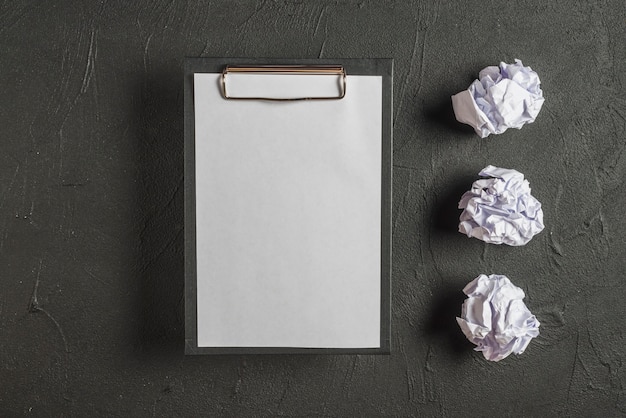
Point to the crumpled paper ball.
(503, 97)
(495, 318)
(500, 209)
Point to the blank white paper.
(288, 218)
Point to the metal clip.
(288, 70)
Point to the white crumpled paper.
(500, 209)
(503, 97)
(495, 318)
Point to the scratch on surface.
(181, 182)
(322, 49)
(429, 369)
(349, 375)
(8, 189)
(422, 66)
(162, 208)
(402, 202)
(404, 167)
(595, 350)
(429, 354)
(557, 200)
(483, 256)
(145, 54)
(240, 373)
(616, 111)
(571, 377)
(434, 158)
(24, 190)
(68, 73)
(34, 307)
(555, 245)
(93, 276)
(65, 83)
(4, 238)
(611, 176)
(56, 323)
(323, 46)
(205, 49)
(252, 15)
(410, 381)
(551, 113)
(328, 389)
(408, 76)
(61, 149)
(319, 19)
(595, 227)
(283, 396)
(91, 62)
(554, 249)
(562, 136)
(428, 17)
(606, 244)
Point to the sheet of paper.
(288, 215)
(503, 97)
(500, 209)
(495, 318)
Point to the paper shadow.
(159, 216)
(441, 324)
(445, 216)
(441, 113)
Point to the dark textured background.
(91, 209)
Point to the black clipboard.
(209, 240)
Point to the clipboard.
(288, 196)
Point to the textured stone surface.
(91, 209)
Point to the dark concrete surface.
(91, 209)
